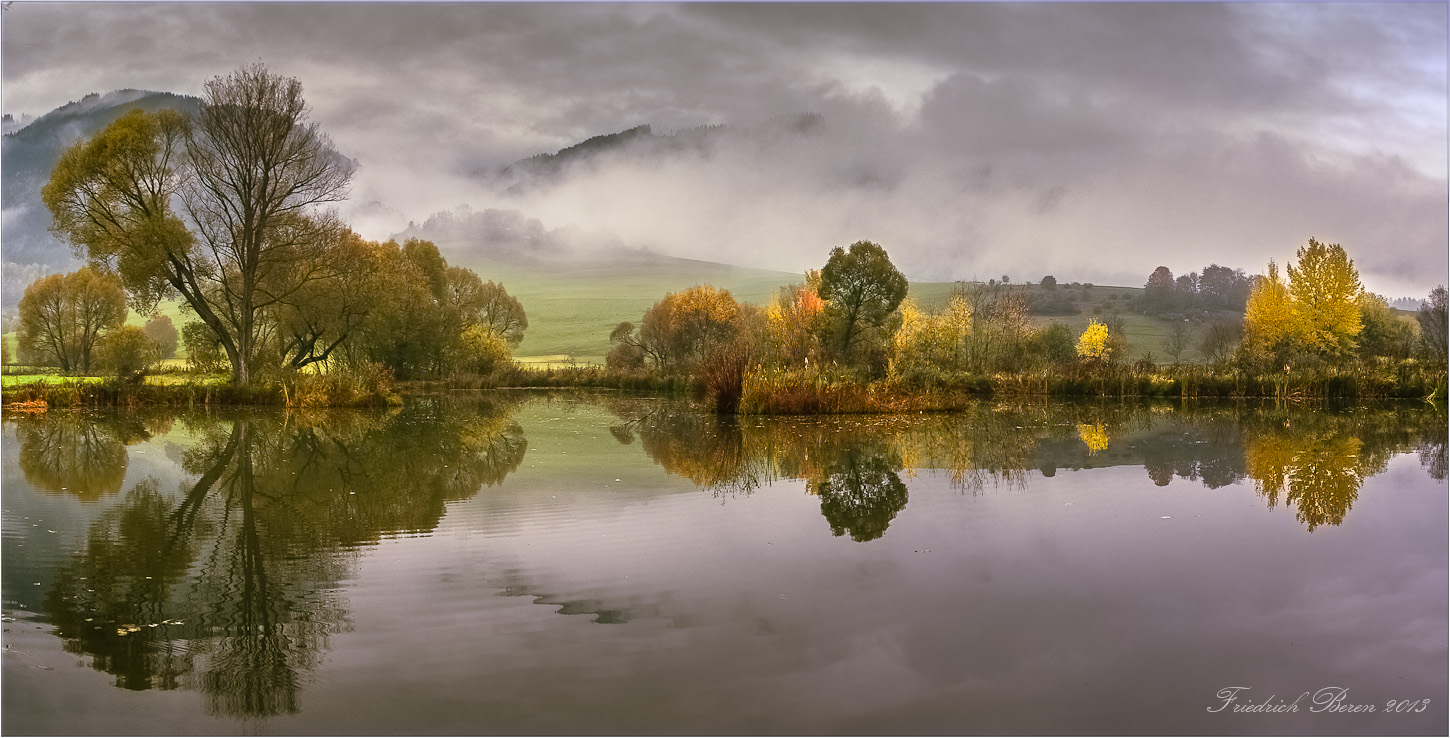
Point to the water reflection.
(1313, 460)
(75, 454)
(230, 583)
(229, 586)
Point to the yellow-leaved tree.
(1325, 291)
(795, 321)
(1272, 329)
(1093, 345)
(931, 340)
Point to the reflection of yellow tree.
(229, 586)
(708, 450)
(1094, 435)
(1319, 471)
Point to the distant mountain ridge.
(30, 153)
(641, 141)
(31, 149)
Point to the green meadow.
(572, 307)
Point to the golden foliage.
(1094, 344)
(1094, 435)
(1325, 289)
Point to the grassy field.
(573, 308)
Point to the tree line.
(229, 213)
(852, 316)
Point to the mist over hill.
(29, 154)
(641, 143)
(485, 239)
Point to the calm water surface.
(523, 563)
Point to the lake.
(526, 563)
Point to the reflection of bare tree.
(229, 586)
(1433, 457)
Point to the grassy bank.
(763, 391)
(788, 392)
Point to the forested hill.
(29, 155)
(642, 142)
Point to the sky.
(971, 140)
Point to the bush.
(127, 354)
(203, 351)
(722, 376)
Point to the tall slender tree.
(1325, 289)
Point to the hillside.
(29, 154)
(575, 288)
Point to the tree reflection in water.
(229, 585)
(1315, 459)
(75, 454)
(1319, 461)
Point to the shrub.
(127, 354)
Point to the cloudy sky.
(1092, 142)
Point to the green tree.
(1433, 325)
(62, 317)
(127, 353)
(1325, 290)
(861, 288)
(161, 332)
(1384, 334)
(503, 313)
(203, 351)
(1158, 291)
(1223, 288)
(252, 174)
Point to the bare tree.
(1220, 340)
(262, 172)
(1179, 339)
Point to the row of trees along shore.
(229, 212)
(847, 339)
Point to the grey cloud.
(1094, 141)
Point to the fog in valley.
(1093, 142)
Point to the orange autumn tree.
(795, 321)
(684, 327)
